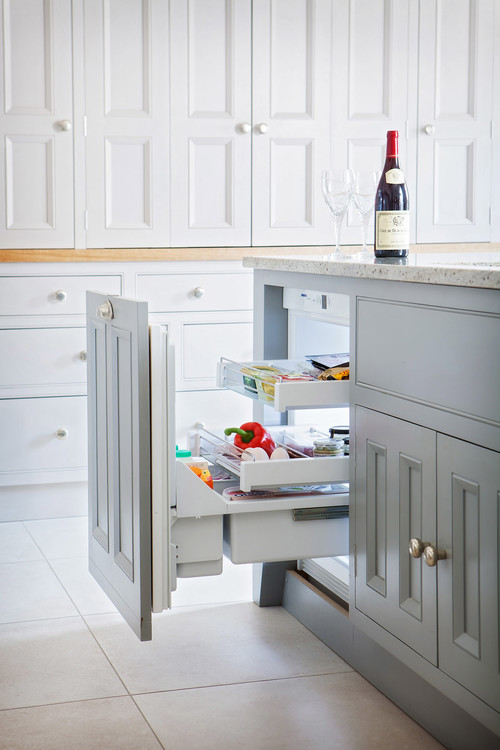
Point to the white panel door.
(127, 163)
(291, 121)
(36, 144)
(372, 89)
(211, 122)
(454, 129)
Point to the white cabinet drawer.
(42, 361)
(51, 295)
(32, 451)
(191, 292)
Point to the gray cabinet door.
(119, 456)
(395, 501)
(468, 580)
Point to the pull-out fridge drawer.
(277, 391)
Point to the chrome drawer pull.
(321, 514)
(60, 295)
(61, 433)
(198, 292)
(83, 355)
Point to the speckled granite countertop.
(452, 269)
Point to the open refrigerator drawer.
(281, 384)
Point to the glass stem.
(337, 224)
(364, 229)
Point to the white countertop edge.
(461, 269)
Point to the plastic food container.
(330, 446)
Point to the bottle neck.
(392, 150)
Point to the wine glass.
(365, 187)
(337, 188)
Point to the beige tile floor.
(216, 675)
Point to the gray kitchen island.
(423, 611)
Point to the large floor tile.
(60, 537)
(50, 661)
(111, 724)
(16, 544)
(31, 591)
(194, 647)
(328, 712)
(81, 586)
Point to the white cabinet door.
(372, 89)
(36, 144)
(211, 122)
(127, 144)
(292, 42)
(454, 128)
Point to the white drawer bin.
(51, 295)
(192, 292)
(271, 536)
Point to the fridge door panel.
(119, 455)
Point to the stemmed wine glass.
(337, 187)
(365, 187)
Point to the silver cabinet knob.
(83, 355)
(429, 129)
(60, 295)
(105, 311)
(61, 433)
(262, 128)
(64, 125)
(245, 127)
(198, 292)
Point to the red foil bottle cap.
(392, 143)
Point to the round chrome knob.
(262, 128)
(83, 355)
(433, 555)
(198, 292)
(60, 295)
(199, 426)
(417, 547)
(62, 433)
(245, 127)
(64, 125)
(429, 129)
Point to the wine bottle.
(392, 204)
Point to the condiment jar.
(330, 446)
(342, 433)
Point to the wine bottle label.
(395, 177)
(392, 230)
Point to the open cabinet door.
(120, 455)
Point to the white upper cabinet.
(127, 123)
(211, 122)
(36, 119)
(454, 120)
(250, 121)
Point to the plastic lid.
(180, 453)
(341, 430)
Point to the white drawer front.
(31, 449)
(42, 361)
(192, 292)
(51, 295)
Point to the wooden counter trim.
(69, 255)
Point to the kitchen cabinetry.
(250, 122)
(425, 69)
(36, 119)
(448, 611)
(43, 377)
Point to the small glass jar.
(328, 446)
(341, 432)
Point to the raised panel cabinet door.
(119, 445)
(211, 122)
(127, 111)
(291, 95)
(468, 579)
(36, 119)
(454, 124)
(395, 502)
(372, 67)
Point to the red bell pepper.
(252, 435)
